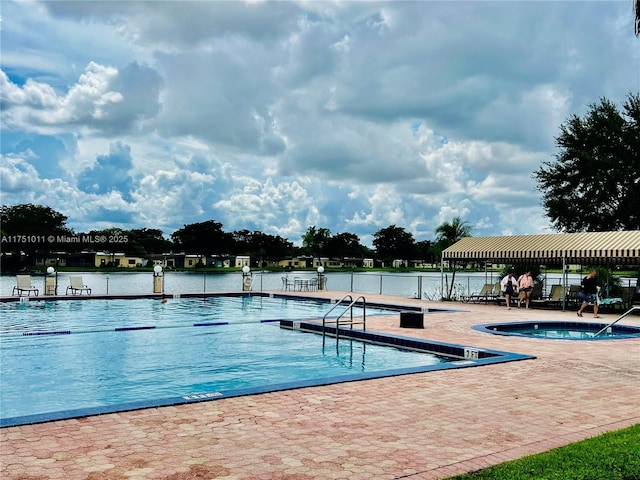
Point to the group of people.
(523, 286)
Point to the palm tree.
(636, 8)
(449, 233)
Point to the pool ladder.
(350, 322)
(253, 279)
(616, 320)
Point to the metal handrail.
(253, 279)
(616, 320)
(349, 308)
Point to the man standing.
(589, 293)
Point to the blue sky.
(276, 116)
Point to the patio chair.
(76, 287)
(286, 284)
(23, 284)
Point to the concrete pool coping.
(419, 426)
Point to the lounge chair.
(536, 293)
(572, 295)
(483, 295)
(23, 284)
(496, 293)
(623, 302)
(627, 297)
(76, 287)
(554, 299)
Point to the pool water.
(561, 330)
(73, 358)
(95, 314)
(48, 373)
(79, 354)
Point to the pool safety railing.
(347, 299)
(603, 329)
(253, 279)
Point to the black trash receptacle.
(411, 320)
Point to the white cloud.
(281, 115)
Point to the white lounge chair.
(76, 286)
(23, 284)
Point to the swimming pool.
(75, 358)
(560, 330)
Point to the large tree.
(27, 229)
(204, 238)
(394, 243)
(28, 219)
(594, 183)
(315, 241)
(261, 246)
(446, 235)
(345, 245)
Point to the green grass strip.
(611, 456)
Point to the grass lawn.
(611, 456)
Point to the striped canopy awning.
(586, 248)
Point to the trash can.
(411, 320)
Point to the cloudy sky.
(276, 116)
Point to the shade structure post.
(442, 275)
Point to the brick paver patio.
(422, 426)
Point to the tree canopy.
(204, 238)
(28, 219)
(394, 243)
(315, 241)
(594, 183)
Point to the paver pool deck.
(420, 426)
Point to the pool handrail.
(253, 278)
(617, 320)
(349, 308)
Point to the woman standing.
(509, 287)
(525, 285)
